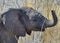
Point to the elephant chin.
(52, 23)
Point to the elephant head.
(20, 21)
(38, 21)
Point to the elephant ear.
(25, 21)
(25, 24)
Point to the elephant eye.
(34, 20)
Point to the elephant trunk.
(54, 22)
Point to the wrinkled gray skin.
(6, 36)
(20, 21)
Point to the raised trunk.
(54, 22)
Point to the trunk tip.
(52, 11)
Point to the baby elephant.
(24, 20)
(6, 36)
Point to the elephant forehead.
(32, 13)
